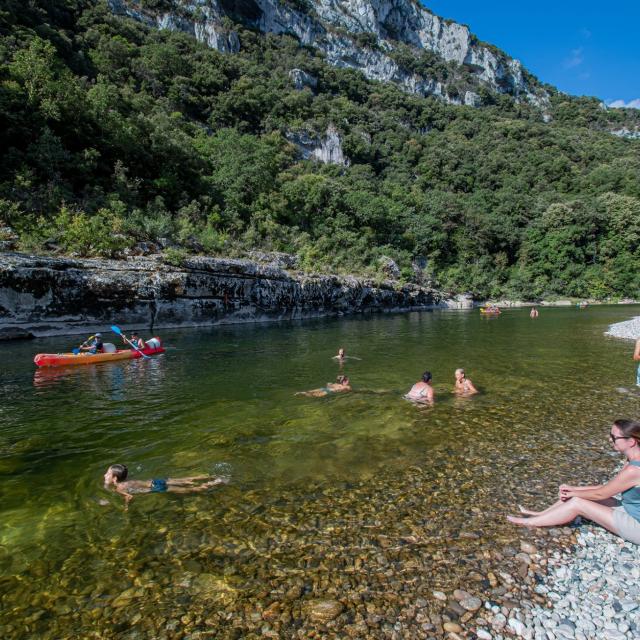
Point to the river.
(327, 496)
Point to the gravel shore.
(592, 591)
(629, 330)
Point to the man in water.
(636, 356)
(533, 313)
(341, 385)
(116, 476)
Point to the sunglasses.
(614, 438)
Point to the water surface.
(310, 478)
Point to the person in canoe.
(341, 385)
(463, 386)
(422, 391)
(135, 341)
(93, 344)
(117, 474)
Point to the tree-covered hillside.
(112, 133)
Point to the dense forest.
(113, 133)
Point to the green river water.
(322, 492)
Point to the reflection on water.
(304, 470)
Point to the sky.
(583, 48)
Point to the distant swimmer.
(116, 476)
(422, 391)
(463, 385)
(341, 356)
(341, 385)
(636, 356)
(533, 313)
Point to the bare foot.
(527, 512)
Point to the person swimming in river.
(341, 356)
(422, 391)
(534, 313)
(117, 474)
(636, 356)
(596, 502)
(463, 386)
(341, 385)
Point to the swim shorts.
(158, 485)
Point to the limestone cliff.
(45, 295)
(359, 34)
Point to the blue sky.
(583, 48)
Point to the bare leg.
(194, 488)
(565, 512)
(607, 502)
(181, 482)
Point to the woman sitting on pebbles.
(596, 502)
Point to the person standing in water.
(463, 385)
(533, 313)
(422, 391)
(636, 356)
(596, 502)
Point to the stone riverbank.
(53, 295)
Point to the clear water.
(221, 401)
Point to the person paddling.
(93, 344)
(596, 502)
(135, 341)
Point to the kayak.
(72, 359)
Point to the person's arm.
(470, 388)
(624, 480)
(636, 352)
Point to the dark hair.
(342, 380)
(119, 471)
(629, 428)
(426, 376)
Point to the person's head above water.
(116, 472)
(342, 380)
(459, 373)
(426, 376)
(341, 352)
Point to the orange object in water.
(72, 359)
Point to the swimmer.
(534, 313)
(116, 475)
(422, 391)
(341, 356)
(341, 385)
(636, 356)
(597, 502)
(463, 385)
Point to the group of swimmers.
(421, 392)
(594, 502)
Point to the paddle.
(76, 351)
(119, 332)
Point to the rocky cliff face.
(359, 34)
(44, 296)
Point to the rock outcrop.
(46, 295)
(357, 34)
